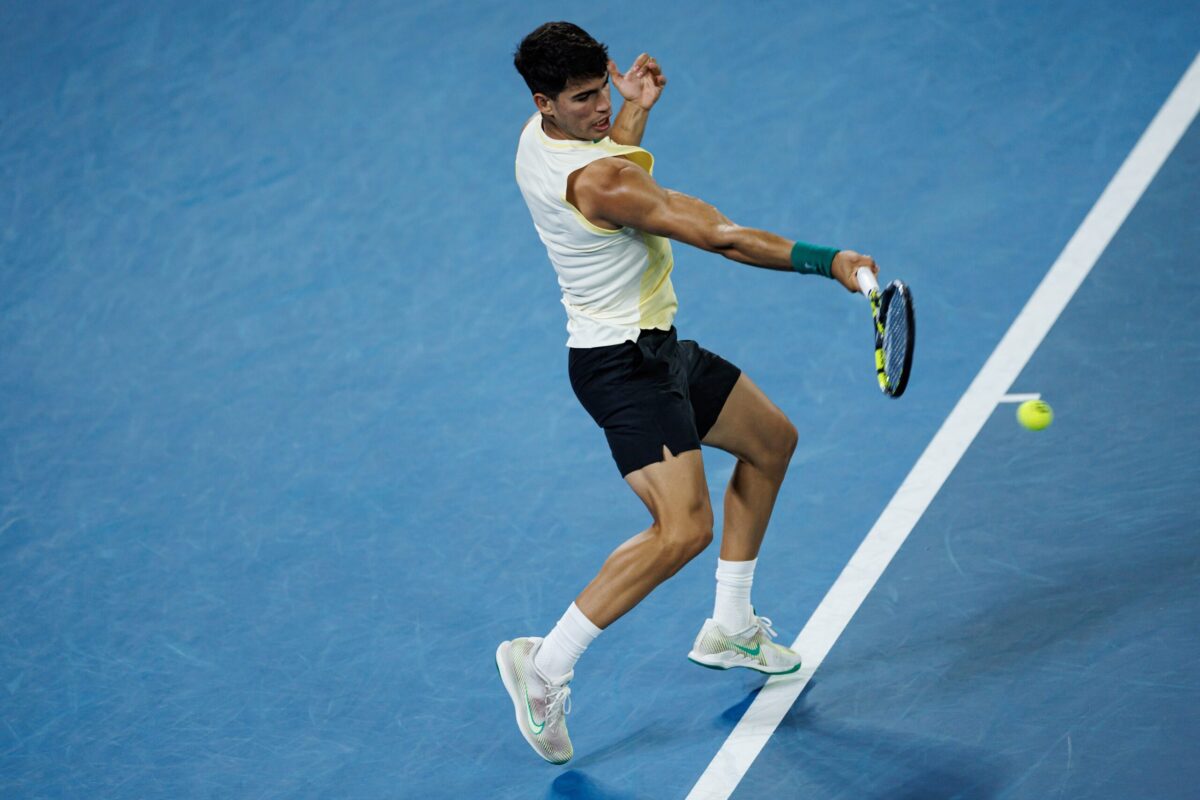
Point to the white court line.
(1019, 398)
(954, 437)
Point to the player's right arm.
(615, 193)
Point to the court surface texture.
(287, 445)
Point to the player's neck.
(551, 129)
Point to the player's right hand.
(846, 263)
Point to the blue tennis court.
(287, 444)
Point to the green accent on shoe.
(759, 670)
(532, 722)
(757, 649)
(706, 666)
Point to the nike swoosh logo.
(757, 649)
(537, 727)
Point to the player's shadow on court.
(576, 785)
(637, 742)
(735, 712)
(838, 759)
(1077, 604)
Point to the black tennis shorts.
(649, 393)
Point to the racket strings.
(895, 338)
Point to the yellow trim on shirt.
(587, 223)
(657, 303)
(636, 154)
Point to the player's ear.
(543, 102)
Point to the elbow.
(722, 238)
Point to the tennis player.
(606, 226)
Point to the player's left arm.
(641, 86)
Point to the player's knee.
(685, 539)
(693, 541)
(789, 437)
(701, 537)
(780, 447)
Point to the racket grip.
(866, 281)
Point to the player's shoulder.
(607, 184)
(609, 172)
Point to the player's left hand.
(642, 84)
(846, 264)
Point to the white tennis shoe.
(541, 705)
(752, 648)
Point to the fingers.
(846, 265)
(654, 71)
(642, 83)
(858, 260)
(646, 65)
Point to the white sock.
(732, 610)
(563, 646)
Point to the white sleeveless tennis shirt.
(614, 283)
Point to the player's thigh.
(753, 428)
(675, 491)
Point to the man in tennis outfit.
(606, 226)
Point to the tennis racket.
(895, 331)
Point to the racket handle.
(866, 281)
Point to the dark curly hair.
(557, 53)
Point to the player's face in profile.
(582, 110)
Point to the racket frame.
(880, 304)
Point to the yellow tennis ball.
(1035, 414)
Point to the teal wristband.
(811, 259)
